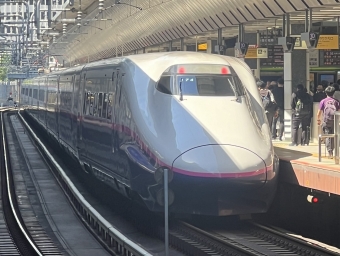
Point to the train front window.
(206, 85)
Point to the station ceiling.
(160, 21)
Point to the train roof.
(154, 64)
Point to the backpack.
(303, 106)
(266, 100)
(329, 111)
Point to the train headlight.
(313, 199)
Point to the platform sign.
(325, 42)
(328, 42)
(256, 53)
(202, 47)
(262, 53)
(252, 52)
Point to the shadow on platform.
(290, 154)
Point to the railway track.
(245, 239)
(15, 238)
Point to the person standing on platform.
(328, 107)
(301, 110)
(278, 93)
(268, 102)
(320, 94)
(336, 94)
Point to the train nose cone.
(221, 161)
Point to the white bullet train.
(199, 115)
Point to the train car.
(199, 115)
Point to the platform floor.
(300, 166)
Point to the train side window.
(41, 95)
(109, 106)
(164, 85)
(30, 93)
(239, 86)
(91, 103)
(86, 109)
(100, 104)
(105, 103)
(95, 104)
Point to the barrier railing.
(335, 136)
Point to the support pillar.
(144, 50)
(209, 46)
(241, 36)
(252, 40)
(182, 44)
(308, 28)
(240, 33)
(196, 45)
(287, 77)
(220, 42)
(170, 46)
(257, 72)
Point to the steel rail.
(294, 239)
(104, 229)
(10, 195)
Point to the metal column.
(336, 137)
(240, 33)
(307, 29)
(144, 51)
(170, 46)
(287, 86)
(240, 38)
(166, 211)
(219, 40)
(258, 63)
(196, 44)
(182, 44)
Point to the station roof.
(160, 21)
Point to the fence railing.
(334, 136)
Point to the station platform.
(299, 165)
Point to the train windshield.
(200, 80)
(206, 85)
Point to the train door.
(57, 113)
(115, 118)
(80, 114)
(46, 100)
(117, 84)
(76, 109)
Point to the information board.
(275, 57)
(330, 58)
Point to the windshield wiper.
(180, 90)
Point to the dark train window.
(95, 104)
(206, 85)
(30, 93)
(41, 95)
(35, 93)
(109, 107)
(105, 104)
(100, 104)
(164, 85)
(86, 104)
(26, 91)
(239, 86)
